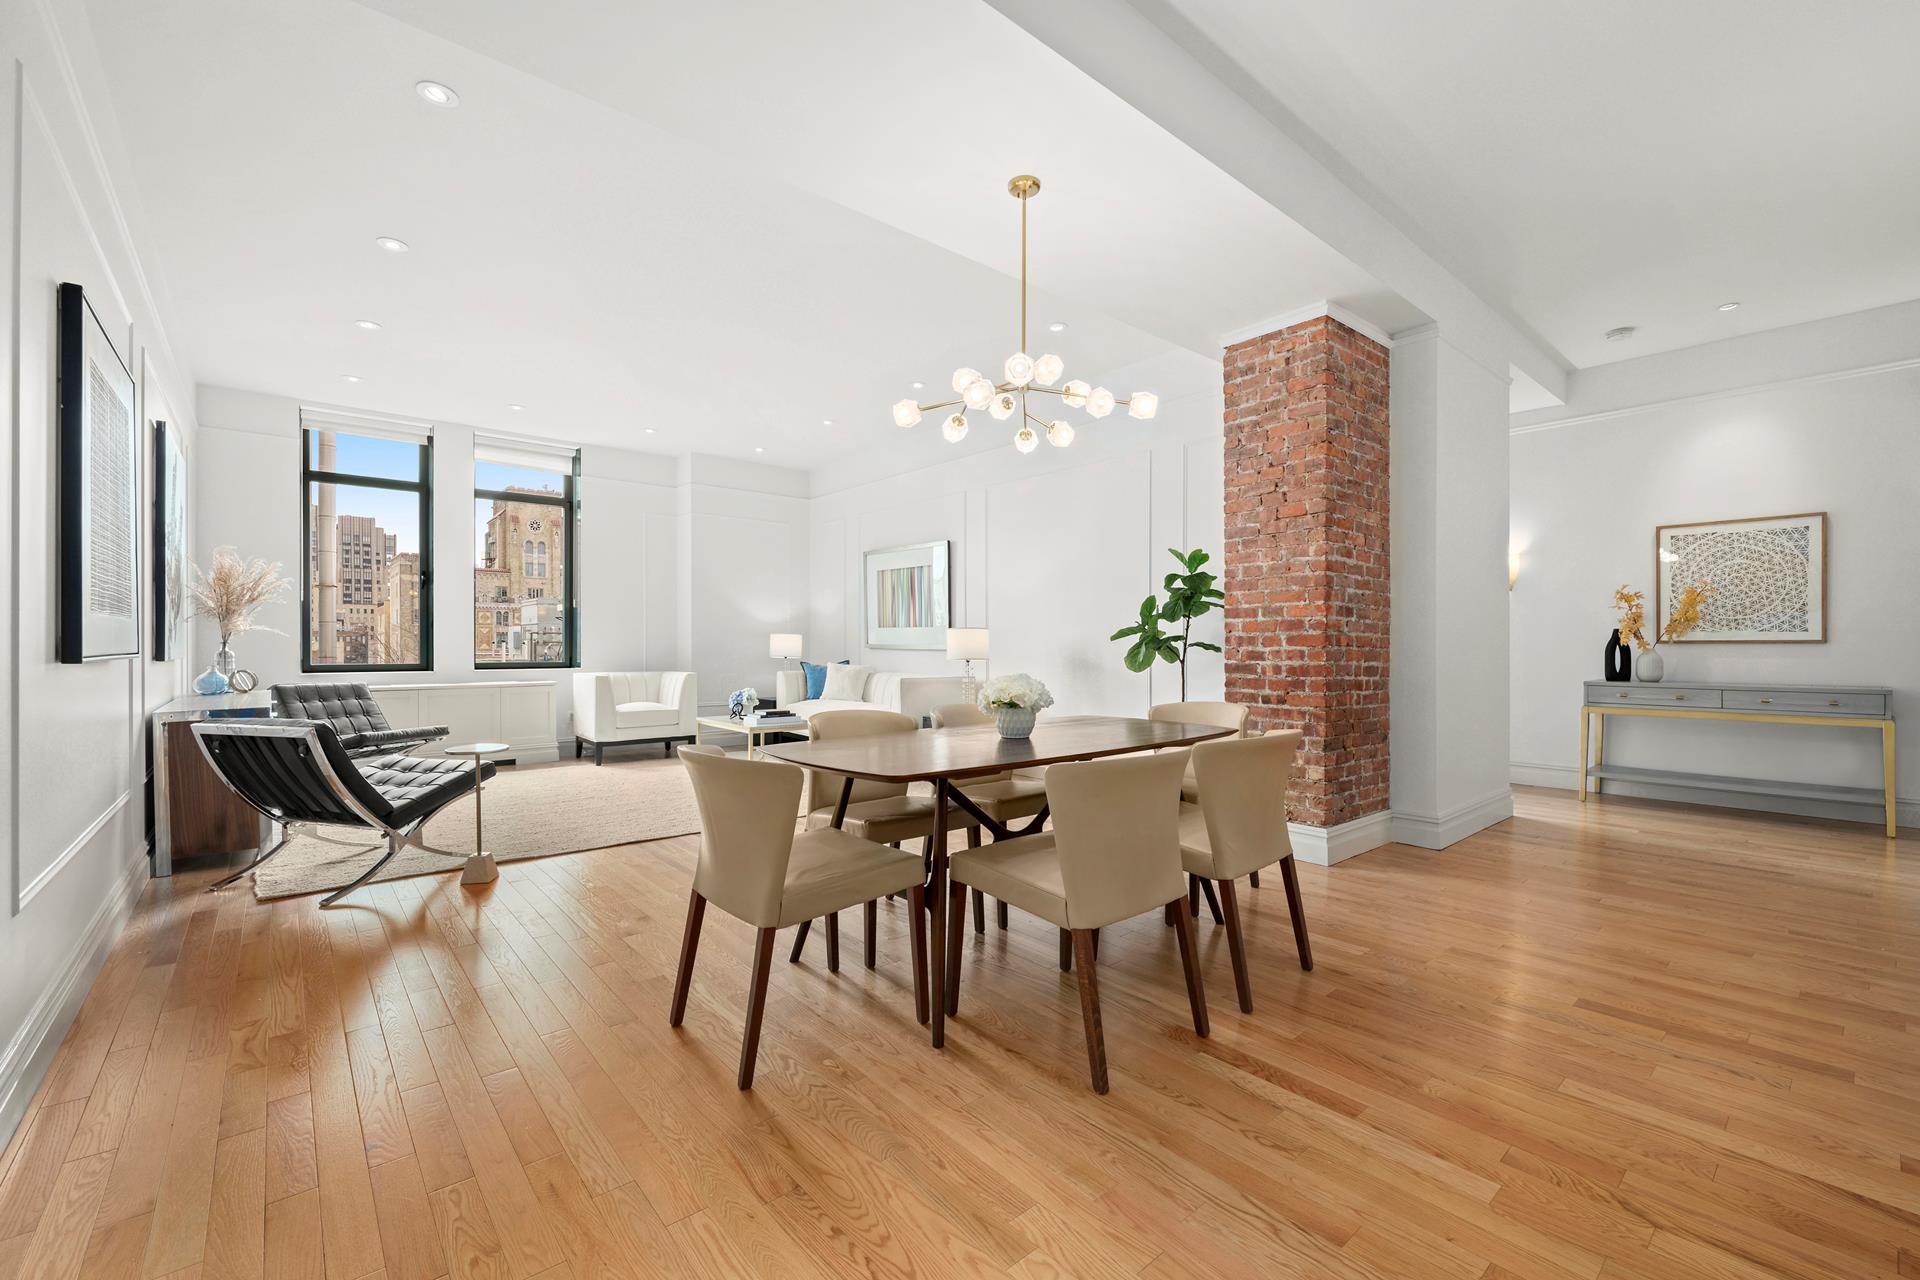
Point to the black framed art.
(99, 470)
(169, 540)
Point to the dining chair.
(1225, 715)
(1239, 826)
(1113, 853)
(1005, 797)
(754, 867)
(883, 812)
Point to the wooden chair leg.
(979, 912)
(1166, 916)
(1000, 914)
(799, 941)
(956, 924)
(1096, 944)
(1082, 942)
(1298, 910)
(1066, 952)
(756, 1006)
(1237, 946)
(873, 921)
(689, 943)
(917, 929)
(1193, 896)
(833, 942)
(1213, 903)
(1253, 878)
(1190, 961)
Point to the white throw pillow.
(846, 684)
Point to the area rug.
(531, 812)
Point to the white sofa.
(611, 708)
(916, 696)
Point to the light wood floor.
(1626, 1041)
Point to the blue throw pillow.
(817, 676)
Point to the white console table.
(1867, 707)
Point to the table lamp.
(968, 645)
(784, 644)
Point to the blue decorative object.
(210, 682)
(742, 703)
(817, 675)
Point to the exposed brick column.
(1306, 578)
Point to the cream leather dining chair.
(1224, 715)
(1112, 854)
(1240, 826)
(755, 868)
(1005, 797)
(882, 812)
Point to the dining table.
(946, 758)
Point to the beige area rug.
(532, 811)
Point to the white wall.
(1588, 492)
(1052, 552)
(73, 760)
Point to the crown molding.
(1299, 315)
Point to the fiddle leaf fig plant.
(1191, 593)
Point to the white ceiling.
(728, 223)
(1632, 163)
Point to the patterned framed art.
(908, 597)
(1768, 575)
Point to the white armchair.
(611, 708)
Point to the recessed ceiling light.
(1621, 334)
(1058, 326)
(758, 449)
(826, 422)
(516, 407)
(351, 377)
(436, 93)
(390, 244)
(1729, 306)
(368, 324)
(919, 386)
(649, 430)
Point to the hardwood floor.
(1628, 1041)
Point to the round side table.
(480, 868)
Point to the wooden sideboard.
(1868, 707)
(193, 811)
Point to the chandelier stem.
(1023, 273)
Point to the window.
(525, 610)
(366, 596)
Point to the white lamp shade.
(954, 429)
(962, 376)
(1003, 406)
(1059, 433)
(784, 644)
(1143, 404)
(1026, 440)
(1019, 368)
(905, 413)
(967, 644)
(978, 394)
(1075, 393)
(1047, 369)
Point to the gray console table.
(1836, 706)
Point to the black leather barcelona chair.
(354, 715)
(298, 772)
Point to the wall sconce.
(1513, 568)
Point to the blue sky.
(399, 513)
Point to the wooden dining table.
(946, 758)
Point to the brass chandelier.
(1024, 375)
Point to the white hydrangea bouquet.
(1015, 701)
(742, 703)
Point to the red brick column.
(1306, 577)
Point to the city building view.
(363, 577)
(519, 578)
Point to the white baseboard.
(1326, 846)
(24, 1065)
(1566, 777)
(1437, 831)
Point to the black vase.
(1619, 659)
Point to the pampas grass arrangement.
(234, 589)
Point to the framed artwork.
(99, 470)
(909, 597)
(169, 540)
(1768, 574)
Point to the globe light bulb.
(1100, 402)
(961, 377)
(1075, 393)
(1059, 434)
(1047, 370)
(1019, 368)
(978, 394)
(1003, 406)
(905, 413)
(954, 428)
(1143, 404)
(1025, 440)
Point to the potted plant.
(231, 593)
(1190, 594)
(1015, 701)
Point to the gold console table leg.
(1886, 764)
(1585, 715)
